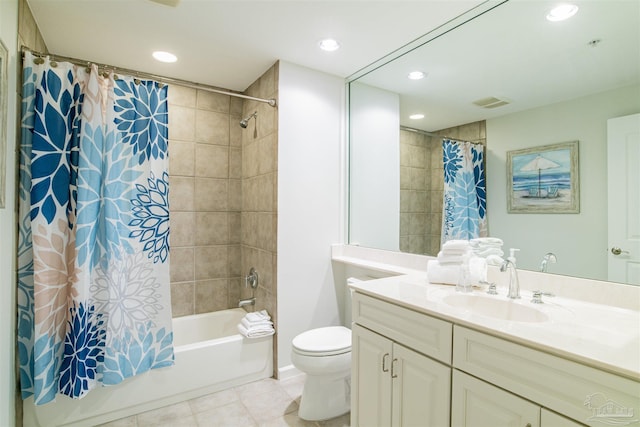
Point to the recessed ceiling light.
(164, 56)
(417, 75)
(416, 116)
(329, 45)
(562, 12)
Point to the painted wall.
(310, 194)
(374, 216)
(9, 37)
(576, 239)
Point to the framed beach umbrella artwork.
(544, 179)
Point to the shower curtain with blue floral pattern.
(93, 258)
(464, 212)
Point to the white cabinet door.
(421, 388)
(475, 403)
(370, 378)
(551, 419)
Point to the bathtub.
(210, 356)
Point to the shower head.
(245, 122)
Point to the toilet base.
(325, 397)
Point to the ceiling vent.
(491, 102)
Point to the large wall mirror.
(546, 83)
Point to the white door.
(623, 163)
(421, 388)
(475, 403)
(370, 378)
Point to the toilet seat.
(328, 341)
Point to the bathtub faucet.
(248, 301)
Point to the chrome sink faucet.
(550, 257)
(514, 284)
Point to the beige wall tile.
(182, 123)
(235, 285)
(212, 127)
(235, 261)
(182, 264)
(211, 295)
(236, 106)
(182, 96)
(181, 193)
(250, 159)
(212, 228)
(214, 101)
(234, 229)
(235, 163)
(212, 161)
(183, 228)
(182, 299)
(212, 262)
(181, 158)
(211, 194)
(235, 194)
(235, 131)
(267, 154)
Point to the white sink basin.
(496, 308)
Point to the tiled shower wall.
(422, 185)
(223, 197)
(205, 199)
(259, 192)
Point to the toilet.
(324, 355)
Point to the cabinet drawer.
(585, 394)
(427, 335)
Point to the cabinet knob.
(528, 425)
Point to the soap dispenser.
(512, 256)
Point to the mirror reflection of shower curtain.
(93, 258)
(464, 211)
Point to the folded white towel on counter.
(444, 258)
(455, 246)
(449, 274)
(485, 252)
(486, 241)
(439, 273)
(262, 331)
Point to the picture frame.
(4, 87)
(544, 179)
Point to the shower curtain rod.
(168, 80)
(435, 135)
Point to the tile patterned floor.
(265, 403)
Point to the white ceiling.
(229, 44)
(514, 53)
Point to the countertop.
(601, 336)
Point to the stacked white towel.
(454, 252)
(447, 267)
(257, 324)
(489, 248)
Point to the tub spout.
(248, 301)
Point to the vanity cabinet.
(411, 369)
(475, 403)
(392, 384)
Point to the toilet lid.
(323, 341)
